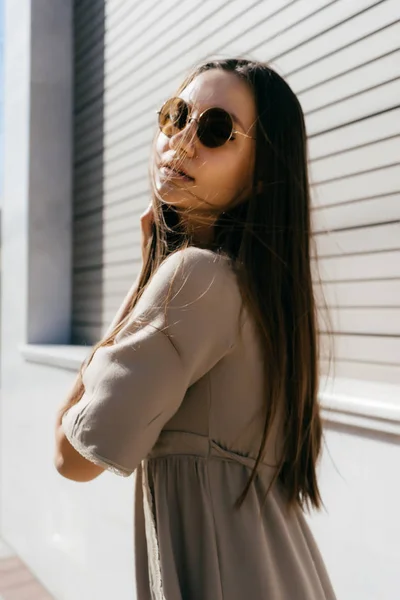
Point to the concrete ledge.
(361, 404)
(374, 406)
(61, 356)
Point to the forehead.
(223, 89)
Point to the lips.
(174, 172)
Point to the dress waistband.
(176, 443)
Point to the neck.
(200, 228)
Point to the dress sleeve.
(184, 323)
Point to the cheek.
(244, 174)
(233, 173)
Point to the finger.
(147, 217)
(148, 211)
(147, 221)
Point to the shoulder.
(195, 257)
(195, 277)
(199, 268)
(193, 295)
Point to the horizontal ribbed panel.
(343, 61)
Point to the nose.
(185, 139)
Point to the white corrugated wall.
(342, 59)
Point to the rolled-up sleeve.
(183, 324)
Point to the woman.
(207, 380)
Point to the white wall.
(360, 532)
(76, 538)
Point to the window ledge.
(61, 356)
(355, 403)
(361, 404)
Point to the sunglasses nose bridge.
(185, 138)
(191, 131)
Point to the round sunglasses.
(214, 125)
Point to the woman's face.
(219, 176)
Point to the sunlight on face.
(218, 177)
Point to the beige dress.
(181, 400)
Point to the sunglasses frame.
(190, 119)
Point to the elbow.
(80, 474)
(70, 464)
(62, 468)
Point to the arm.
(68, 461)
(188, 321)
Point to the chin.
(173, 196)
(175, 200)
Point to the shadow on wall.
(88, 192)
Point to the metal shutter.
(341, 58)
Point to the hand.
(146, 223)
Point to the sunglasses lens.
(173, 116)
(215, 127)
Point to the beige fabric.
(182, 399)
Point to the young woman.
(206, 383)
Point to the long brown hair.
(268, 237)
